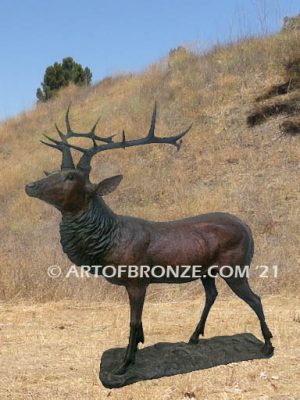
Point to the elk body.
(92, 234)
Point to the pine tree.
(59, 75)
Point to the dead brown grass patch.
(53, 350)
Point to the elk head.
(70, 189)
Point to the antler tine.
(65, 148)
(95, 126)
(61, 134)
(52, 140)
(67, 160)
(175, 140)
(153, 122)
(69, 130)
(171, 140)
(123, 139)
(90, 135)
(81, 149)
(50, 145)
(57, 145)
(85, 160)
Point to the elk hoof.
(268, 349)
(122, 368)
(193, 340)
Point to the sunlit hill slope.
(241, 156)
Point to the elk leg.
(241, 288)
(136, 296)
(139, 338)
(210, 297)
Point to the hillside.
(241, 156)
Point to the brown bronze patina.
(92, 234)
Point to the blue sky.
(114, 36)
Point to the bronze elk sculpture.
(92, 234)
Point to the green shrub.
(60, 75)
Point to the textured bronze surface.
(167, 359)
(92, 234)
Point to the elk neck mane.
(86, 237)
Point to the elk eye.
(70, 177)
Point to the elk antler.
(63, 146)
(85, 160)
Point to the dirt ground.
(53, 350)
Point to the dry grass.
(53, 350)
(223, 164)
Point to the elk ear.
(108, 185)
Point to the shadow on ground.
(166, 359)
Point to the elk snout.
(32, 189)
